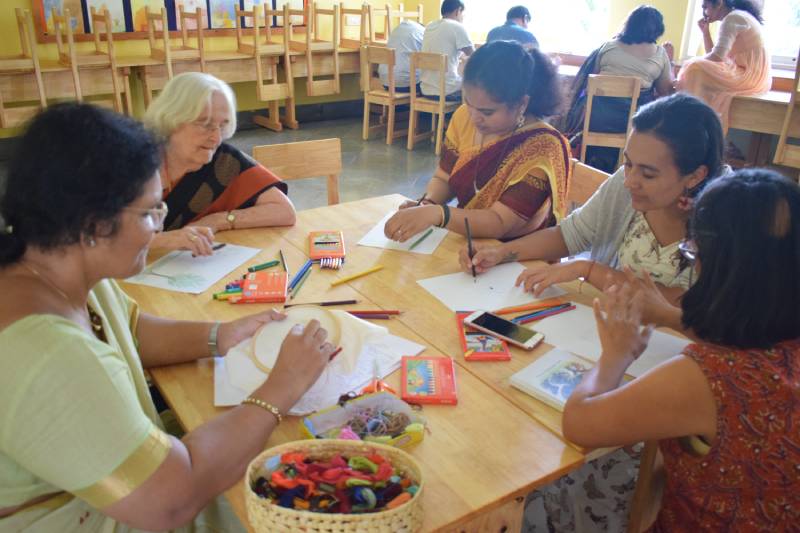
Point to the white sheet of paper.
(386, 353)
(376, 239)
(576, 332)
(491, 290)
(179, 271)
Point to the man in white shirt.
(446, 36)
(405, 39)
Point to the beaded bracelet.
(264, 405)
(586, 277)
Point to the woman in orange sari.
(738, 64)
(507, 168)
(207, 184)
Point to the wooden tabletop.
(479, 458)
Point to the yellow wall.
(674, 12)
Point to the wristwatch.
(231, 218)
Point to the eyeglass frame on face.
(155, 215)
(209, 128)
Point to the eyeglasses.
(154, 215)
(688, 249)
(209, 128)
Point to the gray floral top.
(641, 251)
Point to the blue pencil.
(300, 273)
(541, 312)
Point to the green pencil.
(424, 236)
(264, 266)
(299, 284)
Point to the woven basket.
(266, 516)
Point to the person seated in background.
(508, 168)
(405, 39)
(515, 28)
(449, 37)
(208, 184)
(632, 52)
(638, 217)
(82, 446)
(738, 64)
(724, 410)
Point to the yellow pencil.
(358, 275)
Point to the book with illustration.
(552, 377)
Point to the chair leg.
(365, 124)
(412, 129)
(439, 132)
(390, 125)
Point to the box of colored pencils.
(479, 346)
(323, 244)
(263, 287)
(428, 380)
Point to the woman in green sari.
(81, 445)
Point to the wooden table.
(480, 458)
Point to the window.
(781, 27)
(570, 26)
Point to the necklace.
(480, 154)
(94, 319)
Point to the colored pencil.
(264, 266)
(540, 311)
(299, 284)
(219, 246)
(470, 250)
(533, 306)
(373, 312)
(299, 274)
(357, 275)
(419, 202)
(331, 302)
(372, 317)
(283, 262)
(335, 353)
(418, 241)
(545, 315)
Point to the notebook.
(479, 346)
(263, 287)
(428, 380)
(325, 244)
(552, 378)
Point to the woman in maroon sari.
(209, 185)
(507, 168)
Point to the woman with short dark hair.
(725, 410)
(81, 441)
(506, 166)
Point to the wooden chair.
(162, 52)
(373, 16)
(315, 46)
(99, 58)
(646, 499)
(615, 86)
(584, 181)
(789, 154)
(401, 14)
(376, 94)
(307, 159)
(437, 106)
(26, 62)
(360, 29)
(267, 53)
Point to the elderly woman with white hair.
(209, 185)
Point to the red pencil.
(545, 315)
(335, 353)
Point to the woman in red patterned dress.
(727, 409)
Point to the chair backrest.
(62, 28)
(28, 60)
(379, 55)
(102, 19)
(198, 21)
(401, 14)
(352, 35)
(612, 86)
(27, 39)
(157, 22)
(428, 61)
(789, 154)
(584, 181)
(306, 159)
(646, 499)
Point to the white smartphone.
(504, 329)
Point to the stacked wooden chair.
(314, 45)
(789, 154)
(347, 29)
(25, 63)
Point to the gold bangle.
(264, 405)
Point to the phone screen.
(504, 327)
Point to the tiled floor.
(370, 168)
